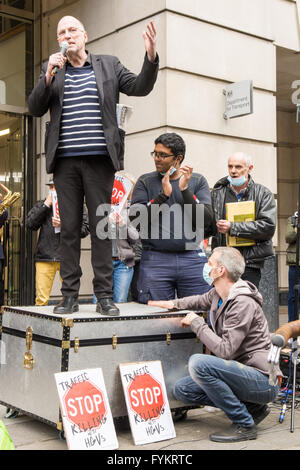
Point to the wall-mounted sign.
(239, 99)
(147, 402)
(85, 410)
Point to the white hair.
(245, 157)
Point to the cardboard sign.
(243, 211)
(123, 185)
(147, 402)
(85, 410)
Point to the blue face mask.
(171, 172)
(237, 181)
(206, 276)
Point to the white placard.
(85, 410)
(55, 210)
(123, 185)
(147, 402)
(124, 113)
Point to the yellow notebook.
(240, 212)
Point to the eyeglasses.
(161, 155)
(72, 31)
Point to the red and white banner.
(85, 410)
(122, 188)
(147, 402)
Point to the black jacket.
(261, 230)
(40, 217)
(112, 78)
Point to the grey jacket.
(112, 78)
(125, 246)
(239, 327)
(261, 230)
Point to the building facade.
(203, 47)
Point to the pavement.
(192, 434)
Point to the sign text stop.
(146, 397)
(85, 406)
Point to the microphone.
(63, 49)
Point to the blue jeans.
(291, 297)
(226, 385)
(163, 275)
(122, 277)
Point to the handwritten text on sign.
(85, 410)
(147, 403)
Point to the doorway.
(17, 170)
(17, 243)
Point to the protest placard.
(147, 402)
(85, 410)
(122, 188)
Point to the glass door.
(17, 243)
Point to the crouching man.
(235, 378)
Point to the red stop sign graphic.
(85, 406)
(118, 192)
(146, 396)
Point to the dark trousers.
(252, 275)
(91, 177)
(291, 298)
(164, 275)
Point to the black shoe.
(11, 413)
(235, 433)
(107, 307)
(68, 304)
(258, 412)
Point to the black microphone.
(63, 49)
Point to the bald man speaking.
(236, 187)
(84, 146)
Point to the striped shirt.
(81, 129)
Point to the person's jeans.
(122, 277)
(224, 384)
(291, 297)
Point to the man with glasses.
(175, 204)
(84, 146)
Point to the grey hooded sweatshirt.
(239, 330)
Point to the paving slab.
(192, 434)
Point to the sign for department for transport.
(85, 410)
(147, 402)
(239, 99)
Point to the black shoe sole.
(233, 439)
